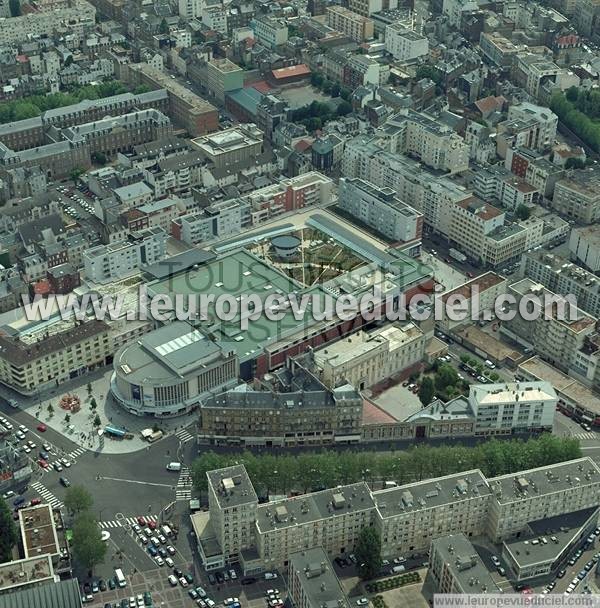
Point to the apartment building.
(454, 10)
(291, 409)
(554, 339)
(217, 76)
(539, 494)
(547, 123)
(219, 220)
(513, 407)
(108, 263)
(587, 17)
(191, 9)
(405, 44)
(187, 109)
(562, 276)
(432, 142)
(313, 582)
(357, 27)
(238, 144)
(233, 508)
(365, 358)
(154, 214)
(380, 209)
(45, 23)
(331, 519)
(471, 222)
(215, 18)
(409, 517)
(431, 194)
(455, 567)
(176, 174)
(363, 70)
(271, 32)
(578, 196)
(584, 247)
(368, 7)
(497, 48)
(478, 296)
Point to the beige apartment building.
(578, 196)
(231, 146)
(357, 27)
(540, 494)
(331, 519)
(364, 358)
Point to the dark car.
(102, 585)
(211, 579)
(152, 550)
(87, 588)
(560, 573)
(177, 572)
(163, 552)
(248, 581)
(108, 605)
(189, 578)
(65, 482)
(220, 578)
(124, 603)
(111, 583)
(18, 501)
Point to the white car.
(495, 560)
(140, 599)
(23, 428)
(231, 600)
(20, 435)
(169, 562)
(171, 550)
(143, 539)
(233, 574)
(183, 582)
(159, 560)
(363, 601)
(65, 462)
(270, 576)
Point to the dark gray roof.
(64, 594)
(32, 231)
(178, 263)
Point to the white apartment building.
(584, 247)
(578, 196)
(505, 408)
(215, 18)
(404, 44)
(232, 504)
(546, 119)
(380, 209)
(455, 8)
(108, 263)
(540, 494)
(363, 359)
(219, 220)
(237, 144)
(368, 7)
(270, 31)
(357, 27)
(366, 158)
(191, 9)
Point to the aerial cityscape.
(299, 303)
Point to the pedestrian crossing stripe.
(184, 435)
(183, 490)
(46, 495)
(126, 521)
(585, 435)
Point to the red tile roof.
(293, 70)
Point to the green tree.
(89, 388)
(316, 79)
(76, 174)
(446, 376)
(24, 109)
(15, 8)
(428, 71)
(141, 88)
(368, 553)
(426, 390)
(88, 547)
(164, 27)
(343, 109)
(465, 359)
(97, 421)
(523, 212)
(326, 86)
(345, 94)
(575, 163)
(78, 499)
(99, 158)
(335, 90)
(68, 61)
(67, 418)
(8, 532)
(572, 94)
(93, 403)
(50, 409)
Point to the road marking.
(124, 521)
(45, 493)
(183, 490)
(587, 435)
(184, 435)
(142, 483)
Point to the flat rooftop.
(25, 572)
(465, 564)
(545, 480)
(431, 493)
(545, 540)
(38, 531)
(304, 509)
(320, 584)
(522, 392)
(232, 486)
(481, 283)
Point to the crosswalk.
(183, 491)
(46, 495)
(125, 521)
(184, 435)
(587, 435)
(75, 454)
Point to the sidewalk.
(80, 426)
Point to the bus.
(121, 582)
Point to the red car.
(152, 525)
(41, 428)
(35, 501)
(141, 521)
(43, 463)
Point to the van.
(166, 531)
(120, 577)
(174, 466)
(398, 569)
(489, 364)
